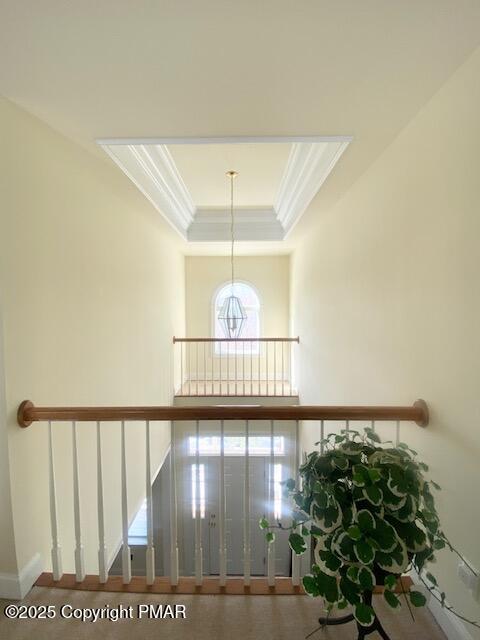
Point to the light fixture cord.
(232, 226)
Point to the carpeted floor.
(207, 618)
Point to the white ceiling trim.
(154, 172)
(308, 166)
(251, 224)
(150, 166)
(222, 140)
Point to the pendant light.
(232, 314)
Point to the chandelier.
(232, 314)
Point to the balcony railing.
(223, 415)
(235, 367)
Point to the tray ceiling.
(185, 181)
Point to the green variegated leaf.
(366, 578)
(390, 582)
(384, 534)
(366, 520)
(270, 537)
(263, 523)
(391, 599)
(297, 543)
(352, 574)
(364, 552)
(395, 561)
(354, 532)
(417, 598)
(364, 614)
(310, 586)
(373, 494)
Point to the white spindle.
(221, 511)
(243, 365)
(228, 368)
(173, 512)
(322, 436)
(295, 557)
(259, 368)
(56, 549)
(347, 429)
(271, 496)
(102, 548)
(397, 433)
(189, 365)
(251, 368)
(290, 360)
(79, 552)
(126, 557)
(181, 368)
(283, 368)
(220, 364)
(198, 512)
(373, 425)
(196, 369)
(274, 368)
(204, 369)
(235, 355)
(266, 368)
(150, 552)
(246, 511)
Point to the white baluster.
(259, 368)
(204, 369)
(102, 548)
(189, 366)
(173, 512)
(397, 433)
(196, 368)
(235, 355)
(251, 368)
(243, 365)
(347, 429)
(295, 557)
(322, 436)
(79, 552)
(221, 511)
(290, 351)
(267, 387)
(373, 425)
(283, 368)
(198, 513)
(220, 364)
(56, 549)
(126, 557)
(246, 511)
(150, 551)
(271, 500)
(181, 369)
(274, 368)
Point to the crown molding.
(251, 224)
(308, 166)
(220, 140)
(153, 171)
(150, 166)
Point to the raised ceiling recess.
(185, 180)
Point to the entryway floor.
(207, 618)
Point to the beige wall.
(92, 285)
(386, 299)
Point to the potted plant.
(370, 514)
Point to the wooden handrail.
(28, 413)
(175, 339)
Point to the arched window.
(251, 328)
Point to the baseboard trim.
(15, 586)
(451, 626)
